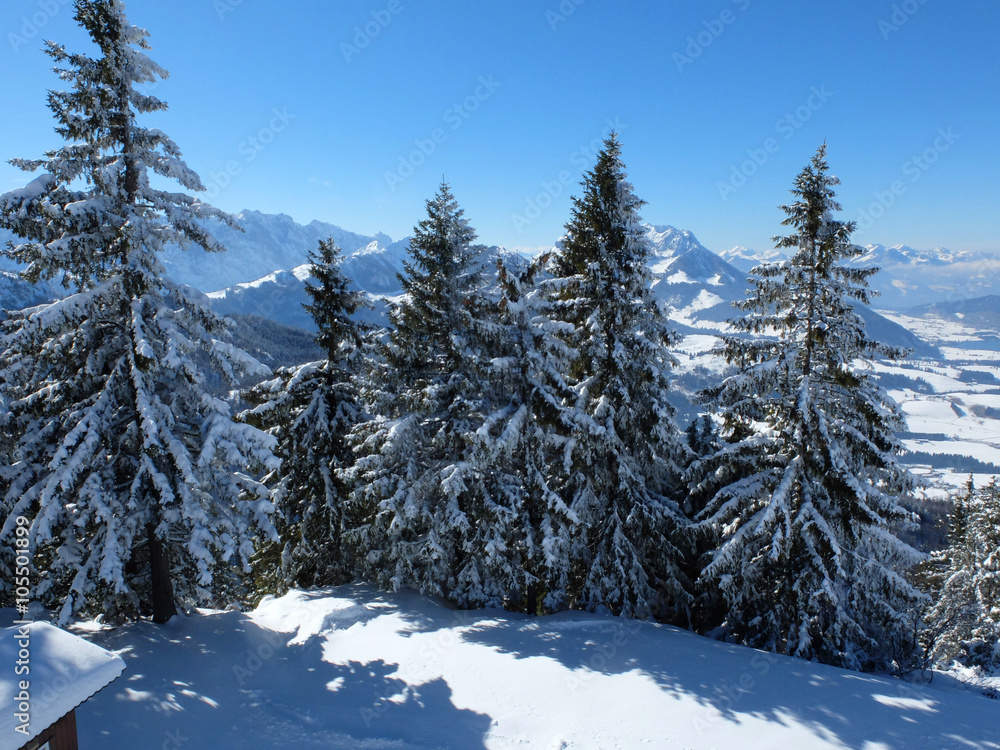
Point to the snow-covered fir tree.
(624, 454)
(521, 443)
(310, 410)
(984, 643)
(133, 473)
(804, 496)
(428, 520)
(963, 623)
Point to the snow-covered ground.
(352, 668)
(956, 410)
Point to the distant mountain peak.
(745, 258)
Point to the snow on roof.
(64, 671)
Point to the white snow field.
(352, 668)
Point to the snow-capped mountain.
(744, 258)
(376, 267)
(268, 242)
(911, 277)
(265, 270)
(696, 285)
(16, 294)
(908, 277)
(690, 279)
(880, 255)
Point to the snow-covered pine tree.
(134, 475)
(310, 410)
(805, 495)
(984, 645)
(947, 578)
(963, 623)
(427, 518)
(522, 445)
(625, 454)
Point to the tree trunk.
(159, 579)
(531, 604)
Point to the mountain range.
(907, 277)
(265, 271)
(696, 285)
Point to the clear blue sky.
(506, 97)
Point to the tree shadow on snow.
(219, 680)
(839, 706)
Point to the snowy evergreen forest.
(506, 442)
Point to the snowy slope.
(975, 312)
(350, 668)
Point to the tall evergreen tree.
(625, 455)
(310, 410)
(804, 497)
(133, 474)
(430, 520)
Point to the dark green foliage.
(621, 488)
(130, 471)
(310, 410)
(272, 343)
(430, 519)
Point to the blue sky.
(351, 111)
